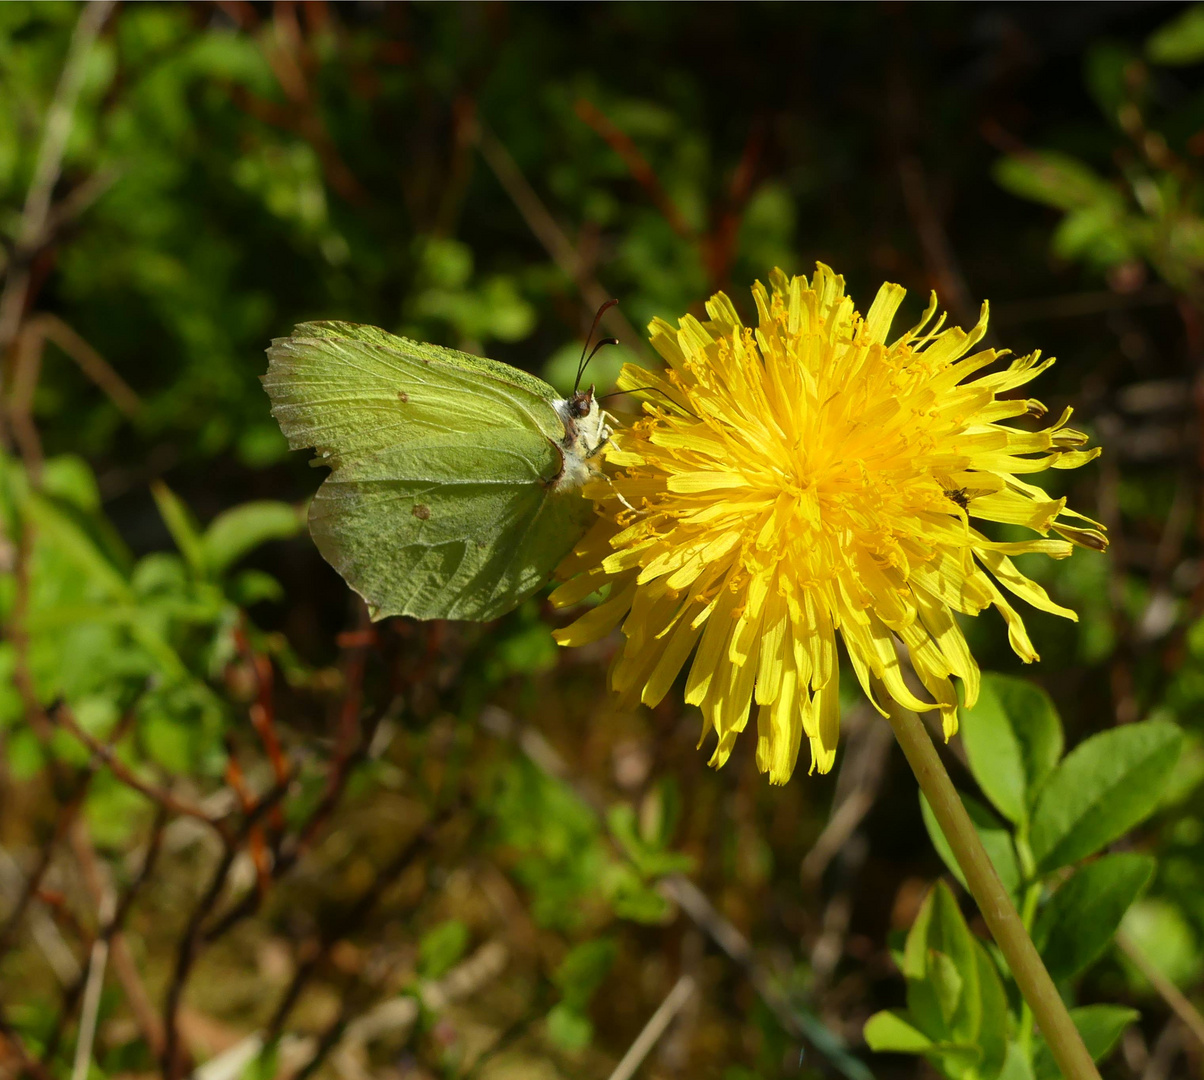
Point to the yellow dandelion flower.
(806, 481)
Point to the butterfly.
(455, 482)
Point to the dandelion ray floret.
(806, 482)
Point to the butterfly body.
(455, 480)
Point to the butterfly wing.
(439, 502)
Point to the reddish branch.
(263, 710)
(353, 917)
(294, 64)
(62, 716)
(641, 171)
(719, 245)
(173, 1058)
(66, 816)
(256, 845)
(111, 932)
(722, 241)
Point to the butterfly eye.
(579, 404)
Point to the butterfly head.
(586, 433)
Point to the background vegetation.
(241, 826)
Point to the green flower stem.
(997, 909)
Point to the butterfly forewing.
(438, 504)
(346, 389)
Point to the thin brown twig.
(26, 370)
(192, 940)
(721, 242)
(676, 1000)
(110, 931)
(675, 887)
(35, 216)
(349, 737)
(256, 845)
(263, 711)
(33, 883)
(62, 716)
(865, 767)
(939, 257)
(286, 854)
(1178, 1001)
(541, 223)
(354, 916)
(90, 362)
(642, 172)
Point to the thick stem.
(997, 909)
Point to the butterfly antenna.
(590, 337)
(655, 389)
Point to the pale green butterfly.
(455, 483)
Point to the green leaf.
(892, 1032)
(1108, 784)
(1100, 1025)
(1054, 179)
(941, 967)
(1079, 920)
(996, 839)
(1016, 1064)
(241, 529)
(250, 587)
(264, 1065)
(180, 523)
(1098, 233)
(1105, 69)
(441, 948)
(1180, 41)
(1013, 739)
(569, 1029)
(582, 970)
(70, 478)
(61, 530)
(993, 1032)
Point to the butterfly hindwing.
(439, 502)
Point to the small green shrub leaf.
(180, 523)
(1054, 179)
(441, 948)
(996, 839)
(1013, 739)
(1105, 786)
(1076, 925)
(1180, 41)
(582, 970)
(1157, 928)
(1100, 1025)
(892, 1032)
(941, 967)
(569, 1029)
(1016, 1065)
(239, 530)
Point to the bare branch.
(552, 237)
(1167, 990)
(35, 217)
(90, 362)
(658, 1022)
(92, 989)
(61, 715)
